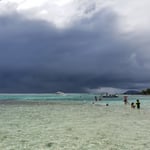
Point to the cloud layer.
(91, 46)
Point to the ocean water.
(47, 97)
(73, 97)
(72, 122)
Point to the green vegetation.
(146, 92)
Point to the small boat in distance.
(110, 96)
(60, 93)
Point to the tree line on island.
(146, 92)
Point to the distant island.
(134, 92)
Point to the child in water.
(138, 104)
(132, 105)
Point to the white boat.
(60, 93)
(110, 95)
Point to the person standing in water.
(125, 100)
(138, 104)
(95, 98)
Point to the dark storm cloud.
(38, 57)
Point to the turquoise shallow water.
(47, 97)
(71, 97)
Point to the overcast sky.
(74, 45)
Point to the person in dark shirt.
(138, 104)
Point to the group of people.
(137, 104)
(133, 105)
(97, 98)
